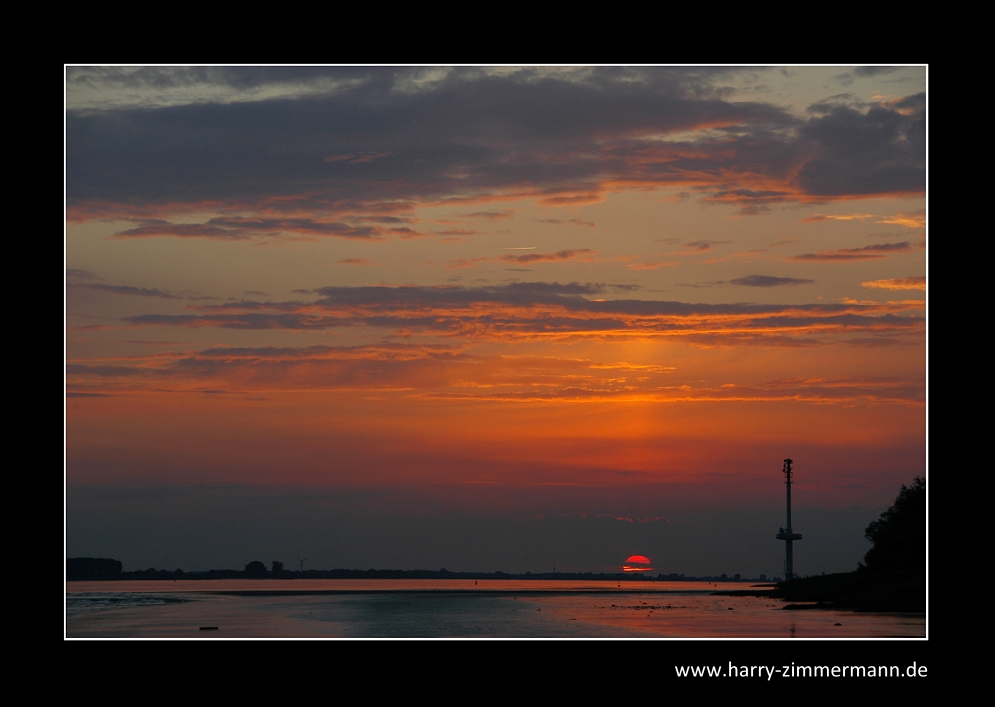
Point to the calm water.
(451, 608)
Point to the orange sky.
(368, 283)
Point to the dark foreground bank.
(861, 590)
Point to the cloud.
(153, 342)
(864, 71)
(870, 252)
(457, 232)
(378, 218)
(182, 230)
(916, 219)
(701, 246)
(446, 373)
(357, 261)
(91, 88)
(848, 77)
(912, 220)
(917, 282)
(358, 159)
(261, 146)
(234, 228)
(76, 273)
(879, 151)
(574, 221)
(559, 256)
(769, 281)
(549, 311)
(465, 263)
(490, 215)
(879, 389)
(653, 265)
(814, 218)
(128, 290)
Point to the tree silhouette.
(277, 567)
(899, 535)
(255, 569)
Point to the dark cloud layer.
(559, 256)
(880, 151)
(230, 228)
(769, 281)
(542, 309)
(468, 135)
(129, 290)
(869, 252)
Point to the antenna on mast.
(786, 534)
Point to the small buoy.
(837, 624)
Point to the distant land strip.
(99, 569)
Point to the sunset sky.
(491, 318)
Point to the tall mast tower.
(786, 534)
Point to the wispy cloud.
(572, 221)
(358, 159)
(912, 220)
(460, 263)
(558, 256)
(357, 261)
(523, 311)
(769, 281)
(128, 290)
(652, 265)
(233, 228)
(701, 246)
(815, 218)
(457, 232)
(77, 274)
(489, 215)
(916, 219)
(448, 373)
(525, 259)
(870, 252)
(917, 282)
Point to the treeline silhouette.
(92, 568)
(899, 535)
(892, 576)
(82, 569)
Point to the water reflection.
(455, 608)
